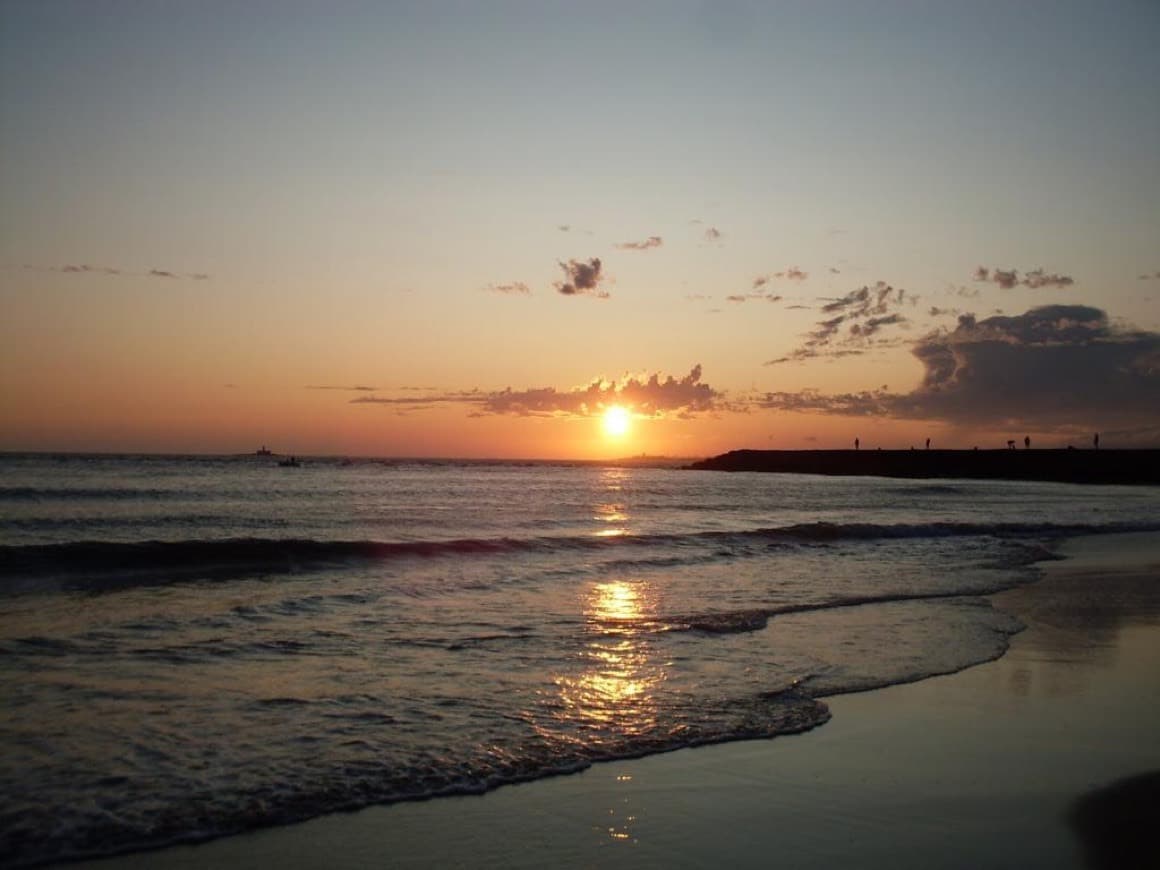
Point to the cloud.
(89, 269)
(713, 234)
(745, 297)
(564, 227)
(791, 274)
(357, 388)
(516, 288)
(835, 271)
(1035, 279)
(651, 395)
(583, 278)
(467, 397)
(650, 242)
(646, 395)
(1155, 276)
(863, 313)
(1055, 366)
(100, 270)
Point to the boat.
(292, 462)
(263, 451)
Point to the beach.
(980, 768)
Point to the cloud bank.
(1055, 366)
(653, 395)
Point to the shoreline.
(983, 765)
(1120, 467)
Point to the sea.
(194, 646)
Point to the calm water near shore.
(197, 646)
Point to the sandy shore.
(975, 769)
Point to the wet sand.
(977, 769)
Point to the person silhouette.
(856, 444)
(1027, 442)
(1096, 441)
(928, 444)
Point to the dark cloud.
(650, 242)
(564, 227)
(1155, 276)
(162, 273)
(760, 281)
(516, 288)
(583, 278)
(713, 234)
(1035, 279)
(835, 271)
(864, 313)
(1054, 366)
(199, 276)
(357, 388)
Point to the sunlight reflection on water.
(615, 693)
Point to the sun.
(616, 421)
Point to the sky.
(471, 229)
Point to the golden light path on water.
(613, 699)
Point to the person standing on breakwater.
(856, 444)
(1026, 442)
(928, 444)
(1096, 441)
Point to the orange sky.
(844, 220)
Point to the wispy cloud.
(582, 278)
(90, 269)
(791, 274)
(647, 244)
(516, 288)
(745, 297)
(356, 388)
(1155, 276)
(853, 323)
(1009, 278)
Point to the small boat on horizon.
(292, 462)
(263, 451)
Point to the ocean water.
(192, 647)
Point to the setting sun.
(616, 421)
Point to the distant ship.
(263, 451)
(292, 462)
